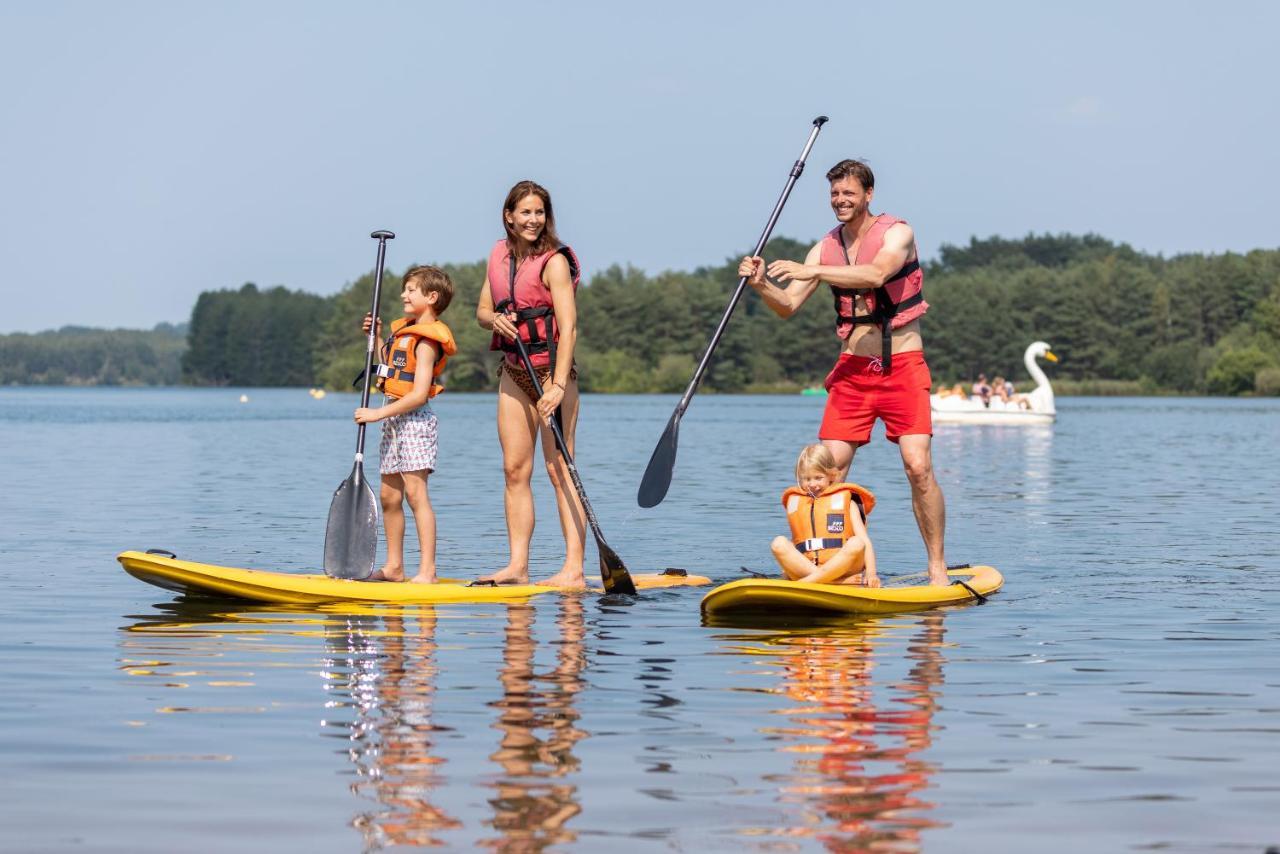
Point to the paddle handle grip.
(796, 170)
(382, 237)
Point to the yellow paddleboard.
(778, 596)
(256, 585)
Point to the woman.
(530, 293)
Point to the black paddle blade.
(351, 536)
(613, 572)
(657, 477)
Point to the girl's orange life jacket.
(821, 525)
(400, 355)
(518, 287)
(892, 305)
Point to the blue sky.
(154, 150)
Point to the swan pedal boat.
(970, 410)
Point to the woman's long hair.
(548, 240)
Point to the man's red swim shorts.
(859, 392)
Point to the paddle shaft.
(796, 170)
(382, 237)
(609, 578)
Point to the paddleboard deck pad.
(777, 596)
(256, 585)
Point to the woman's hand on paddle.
(752, 269)
(786, 271)
(366, 415)
(364, 324)
(504, 324)
(552, 395)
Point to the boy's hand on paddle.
(505, 325)
(366, 415)
(752, 268)
(364, 324)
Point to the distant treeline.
(76, 355)
(1122, 321)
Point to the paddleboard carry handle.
(982, 600)
(162, 553)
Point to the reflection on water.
(384, 669)
(380, 676)
(856, 779)
(539, 729)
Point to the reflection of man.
(871, 263)
(846, 734)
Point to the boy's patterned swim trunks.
(408, 442)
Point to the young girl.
(412, 357)
(829, 542)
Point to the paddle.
(657, 477)
(351, 536)
(612, 570)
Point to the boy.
(413, 356)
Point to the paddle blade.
(657, 477)
(351, 536)
(612, 571)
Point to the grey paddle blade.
(351, 537)
(657, 477)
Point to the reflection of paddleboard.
(203, 579)
(776, 596)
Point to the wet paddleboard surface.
(255, 585)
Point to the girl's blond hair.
(816, 457)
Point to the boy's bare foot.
(388, 573)
(508, 575)
(567, 579)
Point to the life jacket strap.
(387, 372)
(818, 544)
(886, 309)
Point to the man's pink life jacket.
(892, 305)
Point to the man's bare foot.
(567, 579)
(388, 573)
(424, 577)
(938, 576)
(508, 575)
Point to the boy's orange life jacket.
(400, 359)
(820, 526)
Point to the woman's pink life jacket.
(892, 305)
(519, 288)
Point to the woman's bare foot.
(568, 578)
(424, 577)
(508, 575)
(388, 573)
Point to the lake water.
(1122, 693)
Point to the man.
(870, 262)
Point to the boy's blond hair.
(816, 457)
(431, 280)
